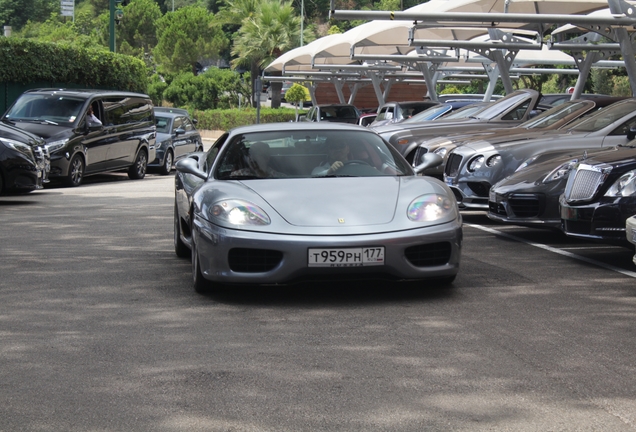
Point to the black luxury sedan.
(176, 137)
(24, 161)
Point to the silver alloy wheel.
(142, 163)
(76, 171)
(168, 162)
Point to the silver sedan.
(280, 203)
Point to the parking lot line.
(555, 250)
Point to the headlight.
(238, 212)
(430, 207)
(559, 172)
(441, 151)
(526, 163)
(476, 163)
(624, 186)
(18, 146)
(493, 160)
(56, 145)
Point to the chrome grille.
(584, 184)
(452, 166)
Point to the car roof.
(85, 93)
(301, 126)
(170, 110)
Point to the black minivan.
(119, 134)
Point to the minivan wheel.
(138, 170)
(167, 163)
(75, 172)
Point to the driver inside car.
(337, 155)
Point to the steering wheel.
(356, 162)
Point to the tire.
(137, 171)
(180, 248)
(75, 174)
(201, 285)
(167, 163)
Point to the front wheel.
(167, 163)
(201, 284)
(75, 172)
(180, 248)
(138, 170)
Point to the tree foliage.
(186, 36)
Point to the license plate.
(634, 236)
(346, 257)
(492, 196)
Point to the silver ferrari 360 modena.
(287, 202)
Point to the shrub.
(226, 119)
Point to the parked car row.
(67, 134)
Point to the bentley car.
(559, 117)
(511, 110)
(280, 203)
(530, 196)
(24, 161)
(630, 228)
(472, 168)
(599, 196)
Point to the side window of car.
(177, 123)
(518, 112)
(624, 128)
(187, 125)
(211, 155)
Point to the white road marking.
(555, 250)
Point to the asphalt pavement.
(102, 331)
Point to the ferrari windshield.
(48, 108)
(308, 154)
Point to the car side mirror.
(429, 160)
(195, 121)
(302, 118)
(631, 133)
(179, 131)
(190, 166)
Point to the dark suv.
(121, 135)
(341, 113)
(24, 161)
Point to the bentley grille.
(428, 255)
(584, 185)
(452, 165)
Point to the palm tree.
(270, 31)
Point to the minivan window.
(51, 108)
(120, 111)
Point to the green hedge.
(25, 61)
(231, 118)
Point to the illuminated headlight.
(559, 172)
(441, 151)
(493, 160)
(624, 186)
(476, 163)
(526, 163)
(56, 145)
(431, 207)
(238, 212)
(18, 146)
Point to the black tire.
(167, 163)
(180, 248)
(75, 174)
(201, 285)
(137, 171)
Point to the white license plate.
(346, 257)
(492, 196)
(634, 236)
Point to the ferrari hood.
(343, 202)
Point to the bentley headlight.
(18, 146)
(560, 172)
(238, 212)
(56, 145)
(430, 207)
(475, 163)
(493, 160)
(441, 151)
(624, 186)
